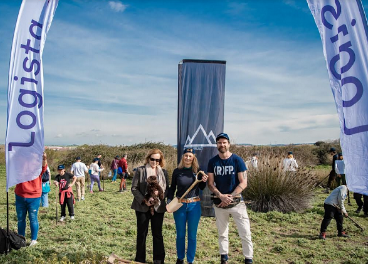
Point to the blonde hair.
(195, 165)
(156, 151)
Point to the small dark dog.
(154, 193)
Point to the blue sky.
(110, 69)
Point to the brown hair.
(156, 151)
(195, 165)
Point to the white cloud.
(117, 6)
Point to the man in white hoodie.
(334, 208)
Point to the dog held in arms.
(154, 193)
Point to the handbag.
(46, 187)
(16, 241)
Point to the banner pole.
(7, 224)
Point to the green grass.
(105, 224)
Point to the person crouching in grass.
(334, 208)
(66, 196)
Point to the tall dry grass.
(272, 189)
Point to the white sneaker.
(62, 219)
(72, 217)
(82, 198)
(33, 242)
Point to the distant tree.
(319, 143)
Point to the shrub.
(302, 153)
(271, 189)
(136, 155)
(322, 151)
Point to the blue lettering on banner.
(349, 50)
(32, 66)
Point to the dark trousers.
(342, 180)
(67, 202)
(331, 180)
(142, 231)
(332, 212)
(362, 204)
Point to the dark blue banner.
(201, 100)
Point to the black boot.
(180, 261)
(359, 209)
(342, 234)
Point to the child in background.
(46, 181)
(66, 196)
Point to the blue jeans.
(45, 200)
(30, 205)
(191, 213)
(115, 175)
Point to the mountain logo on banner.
(201, 139)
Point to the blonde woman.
(190, 212)
(153, 166)
(289, 163)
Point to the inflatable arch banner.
(24, 140)
(342, 25)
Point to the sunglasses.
(157, 160)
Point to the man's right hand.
(226, 199)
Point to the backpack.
(46, 176)
(16, 241)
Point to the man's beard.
(222, 149)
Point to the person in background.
(78, 169)
(227, 178)
(190, 212)
(99, 163)
(254, 161)
(289, 164)
(95, 174)
(65, 182)
(99, 160)
(46, 180)
(114, 168)
(154, 164)
(332, 176)
(123, 164)
(340, 173)
(334, 208)
(27, 200)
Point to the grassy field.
(105, 224)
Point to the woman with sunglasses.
(153, 166)
(190, 212)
